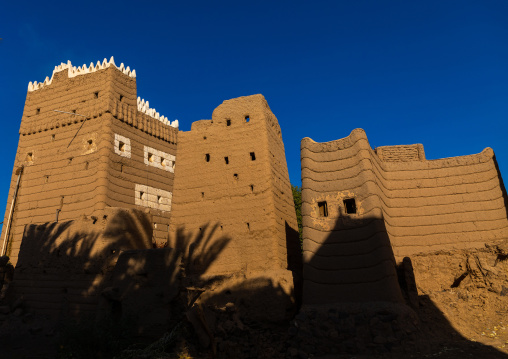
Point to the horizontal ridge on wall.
(143, 121)
(120, 111)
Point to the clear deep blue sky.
(430, 72)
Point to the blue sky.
(431, 72)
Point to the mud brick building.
(364, 210)
(87, 142)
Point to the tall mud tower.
(232, 183)
(86, 143)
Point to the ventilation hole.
(121, 97)
(350, 205)
(38, 111)
(163, 162)
(121, 168)
(247, 118)
(121, 146)
(96, 94)
(204, 137)
(159, 199)
(46, 179)
(202, 194)
(221, 228)
(323, 209)
(252, 156)
(228, 122)
(252, 188)
(29, 157)
(86, 165)
(151, 157)
(235, 176)
(248, 226)
(226, 159)
(73, 111)
(90, 144)
(207, 157)
(142, 195)
(52, 137)
(70, 160)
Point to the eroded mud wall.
(232, 177)
(347, 256)
(401, 201)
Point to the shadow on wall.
(357, 300)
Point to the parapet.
(73, 71)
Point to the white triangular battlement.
(73, 71)
(144, 106)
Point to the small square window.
(96, 94)
(226, 159)
(159, 199)
(29, 157)
(247, 118)
(163, 162)
(151, 157)
(142, 195)
(228, 122)
(323, 209)
(38, 111)
(350, 205)
(121, 146)
(207, 157)
(252, 156)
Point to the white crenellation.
(159, 159)
(144, 106)
(122, 146)
(73, 71)
(152, 197)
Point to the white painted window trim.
(127, 142)
(151, 197)
(167, 165)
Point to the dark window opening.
(151, 157)
(228, 122)
(70, 159)
(221, 228)
(73, 111)
(163, 162)
(248, 226)
(86, 165)
(90, 143)
(350, 205)
(52, 137)
(96, 94)
(142, 195)
(121, 146)
(252, 188)
(235, 176)
(226, 159)
(29, 157)
(202, 194)
(207, 157)
(247, 118)
(159, 199)
(204, 137)
(323, 209)
(38, 111)
(121, 97)
(252, 156)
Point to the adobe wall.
(405, 204)
(63, 267)
(72, 164)
(232, 174)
